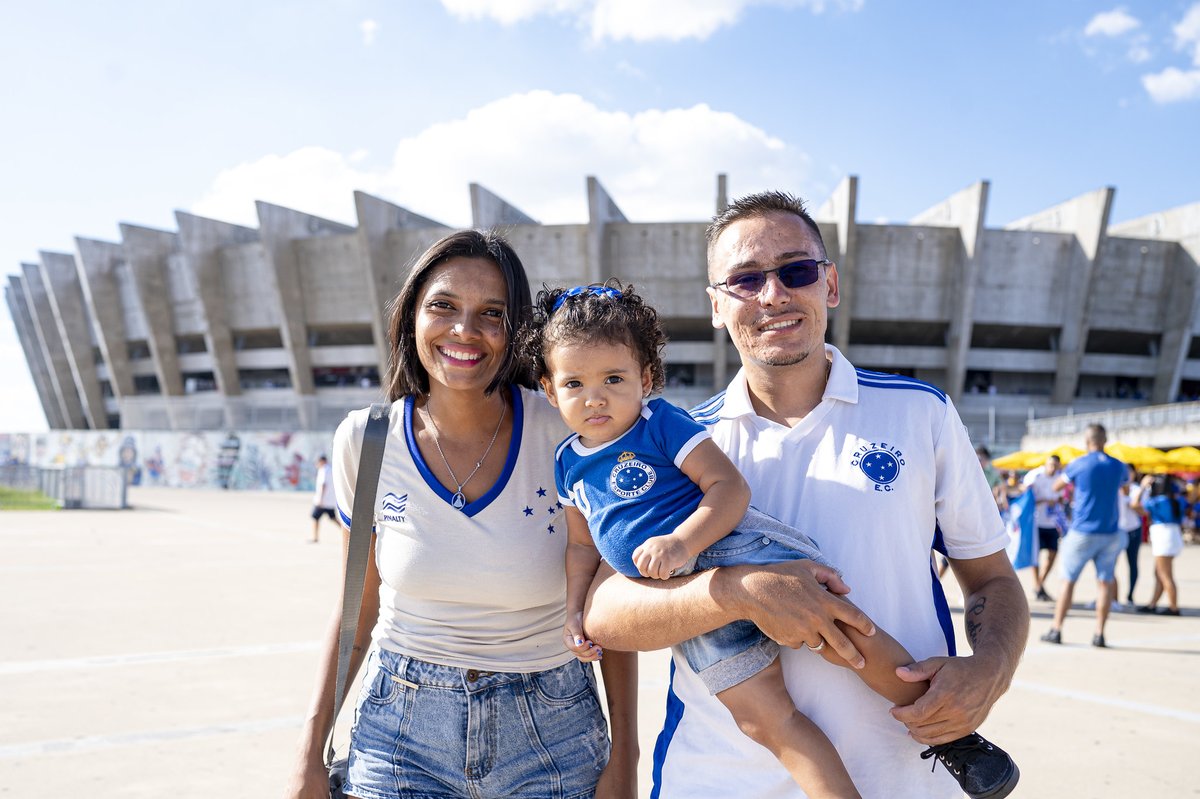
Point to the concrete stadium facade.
(218, 326)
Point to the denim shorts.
(1076, 549)
(736, 652)
(424, 731)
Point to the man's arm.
(793, 603)
(962, 690)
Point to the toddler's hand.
(660, 556)
(577, 642)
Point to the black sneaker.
(1098, 641)
(982, 769)
(1042, 596)
(1053, 636)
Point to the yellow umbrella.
(1066, 453)
(1021, 460)
(1184, 458)
(1144, 459)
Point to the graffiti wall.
(253, 460)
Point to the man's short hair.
(756, 205)
(982, 451)
(1095, 434)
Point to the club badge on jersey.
(631, 477)
(882, 463)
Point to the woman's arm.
(726, 497)
(309, 778)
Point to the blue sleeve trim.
(709, 411)
(895, 381)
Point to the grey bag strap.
(359, 548)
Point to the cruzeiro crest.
(881, 462)
(631, 477)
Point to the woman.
(1166, 539)
(469, 689)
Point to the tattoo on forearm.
(974, 622)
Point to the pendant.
(458, 500)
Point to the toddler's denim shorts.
(736, 652)
(423, 731)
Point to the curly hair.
(571, 316)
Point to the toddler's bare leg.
(883, 654)
(764, 711)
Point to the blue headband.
(599, 291)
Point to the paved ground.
(169, 651)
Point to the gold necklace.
(459, 500)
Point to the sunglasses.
(795, 275)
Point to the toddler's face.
(598, 387)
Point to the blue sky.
(124, 117)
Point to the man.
(1096, 479)
(324, 502)
(1045, 519)
(878, 469)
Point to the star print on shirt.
(528, 511)
(541, 492)
(550, 529)
(880, 467)
(551, 509)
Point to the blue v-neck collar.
(514, 449)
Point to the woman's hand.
(310, 780)
(576, 640)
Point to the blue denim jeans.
(732, 654)
(423, 731)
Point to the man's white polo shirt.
(880, 471)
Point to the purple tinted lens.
(747, 282)
(800, 273)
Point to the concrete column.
(146, 251)
(601, 211)
(18, 305)
(841, 208)
(61, 278)
(489, 210)
(1182, 303)
(96, 262)
(200, 242)
(1087, 217)
(53, 349)
(278, 228)
(720, 362)
(966, 211)
(375, 218)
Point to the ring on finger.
(816, 648)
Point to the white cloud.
(1111, 23)
(635, 20)
(1139, 49)
(1187, 33)
(369, 28)
(1173, 85)
(536, 150)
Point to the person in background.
(1095, 479)
(324, 502)
(1162, 504)
(1129, 521)
(1045, 519)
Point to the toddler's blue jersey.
(632, 488)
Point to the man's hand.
(797, 603)
(961, 693)
(659, 557)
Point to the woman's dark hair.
(1164, 486)
(610, 313)
(405, 374)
